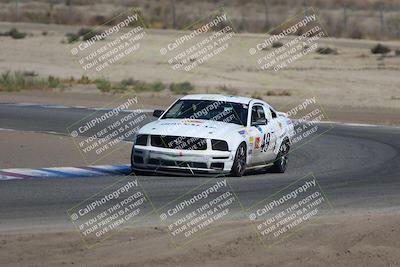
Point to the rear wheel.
(239, 164)
(281, 161)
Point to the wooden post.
(266, 22)
(173, 14)
(381, 17)
(17, 9)
(305, 4)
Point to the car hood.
(192, 128)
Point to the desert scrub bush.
(84, 80)
(72, 37)
(278, 93)
(14, 33)
(91, 34)
(227, 90)
(103, 84)
(157, 86)
(256, 95)
(326, 51)
(83, 31)
(380, 49)
(129, 82)
(16, 81)
(149, 87)
(30, 73)
(53, 82)
(83, 34)
(12, 81)
(277, 44)
(140, 86)
(182, 88)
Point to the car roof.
(218, 97)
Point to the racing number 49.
(266, 142)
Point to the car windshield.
(209, 110)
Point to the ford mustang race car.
(213, 134)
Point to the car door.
(261, 134)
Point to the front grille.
(179, 142)
(138, 159)
(173, 163)
(217, 165)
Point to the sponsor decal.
(242, 132)
(250, 151)
(251, 139)
(192, 122)
(280, 124)
(259, 128)
(257, 143)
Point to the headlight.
(141, 140)
(219, 145)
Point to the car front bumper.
(156, 159)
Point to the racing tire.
(281, 161)
(239, 163)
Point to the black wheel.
(281, 161)
(239, 164)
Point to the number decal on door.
(266, 142)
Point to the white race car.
(213, 134)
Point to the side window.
(273, 113)
(257, 114)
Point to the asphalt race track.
(358, 168)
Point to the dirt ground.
(353, 86)
(339, 240)
(36, 150)
(353, 80)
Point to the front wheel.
(281, 161)
(239, 164)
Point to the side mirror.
(157, 113)
(266, 121)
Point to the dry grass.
(354, 18)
